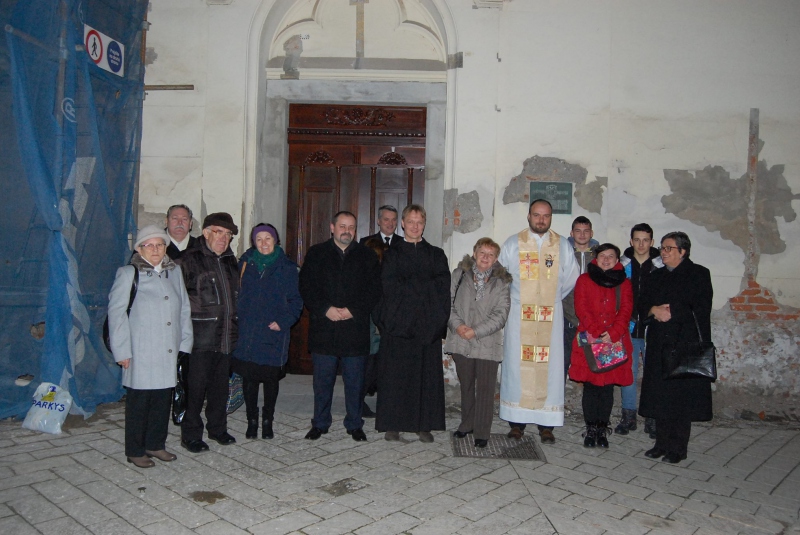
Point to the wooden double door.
(354, 158)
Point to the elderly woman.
(603, 304)
(677, 302)
(269, 304)
(480, 305)
(146, 342)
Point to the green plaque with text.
(558, 193)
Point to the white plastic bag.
(51, 404)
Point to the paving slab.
(740, 477)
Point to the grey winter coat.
(159, 326)
(487, 317)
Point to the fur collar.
(498, 270)
(143, 265)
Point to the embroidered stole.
(538, 274)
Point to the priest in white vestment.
(544, 270)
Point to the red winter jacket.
(595, 307)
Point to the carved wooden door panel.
(354, 158)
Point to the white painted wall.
(624, 88)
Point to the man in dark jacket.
(387, 223)
(340, 285)
(179, 225)
(581, 238)
(639, 260)
(412, 319)
(212, 282)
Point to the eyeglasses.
(154, 246)
(668, 248)
(227, 233)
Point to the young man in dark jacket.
(340, 286)
(212, 282)
(639, 260)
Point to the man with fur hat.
(212, 282)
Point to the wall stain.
(462, 213)
(549, 169)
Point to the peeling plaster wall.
(622, 89)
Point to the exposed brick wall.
(758, 343)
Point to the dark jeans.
(208, 380)
(325, 367)
(478, 380)
(146, 420)
(673, 435)
(597, 402)
(270, 378)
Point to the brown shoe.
(425, 436)
(161, 455)
(516, 433)
(141, 462)
(392, 436)
(547, 437)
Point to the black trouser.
(370, 375)
(270, 376)
(208, 380)
(597, 402)
(570, 331)
(146, 420)
(478, 380)
(672, 436)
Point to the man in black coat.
(387, 223)
(412, 319)
(212, 281)
(179, 225)
(340, 285)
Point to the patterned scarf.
(480, 280)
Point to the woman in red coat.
(600, 315)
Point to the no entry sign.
(105, 52)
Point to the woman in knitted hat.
(269, 304)
(145, 341)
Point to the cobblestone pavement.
(739, 478)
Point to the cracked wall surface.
(714, 200)
(549, 169)
(462, 212)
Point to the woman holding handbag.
(677, 303)
(601, 351)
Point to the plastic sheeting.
(69, 148)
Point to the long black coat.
(327, 280)
(687, 289)
(412, 319)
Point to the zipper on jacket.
(227, 319)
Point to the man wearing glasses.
(212, 282)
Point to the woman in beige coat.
(480, 303)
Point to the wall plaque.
(558, 193)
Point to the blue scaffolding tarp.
(69, 149)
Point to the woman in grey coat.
(481, 301)
(146, 343)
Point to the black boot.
(602, 434)
(627, 423)
(590, 435)
(252, 428)
(266, 426)
(650, 427)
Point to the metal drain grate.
(499, 447)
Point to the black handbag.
(134, 289)
(693, 359)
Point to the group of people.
(379, 309)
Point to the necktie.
(387, 238)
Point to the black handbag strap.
(458, 285)
(134, 289)
(696, 324)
